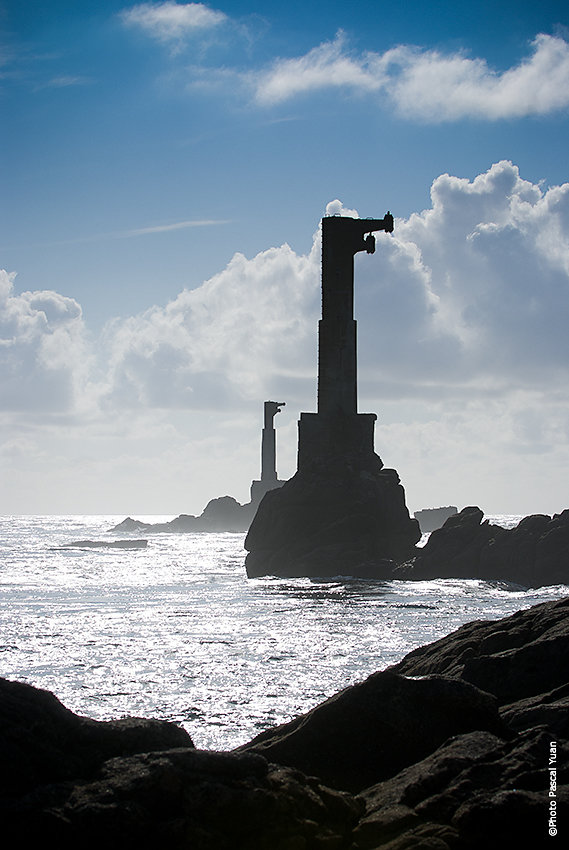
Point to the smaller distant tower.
(269, 479)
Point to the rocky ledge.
(462, 744)
(533, 554)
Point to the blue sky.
(164, 170)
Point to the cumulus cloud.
(42, 349)
(462, 350)
(467, 298)
(171, 22)
(474, 292)
(223, 343)
(432, 86)
(427, 84)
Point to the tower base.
(348, 519)
(325, 441)
(259, 488)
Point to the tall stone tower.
(337, 429)
(269, 478)
(342, 513)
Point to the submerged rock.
(105, 544)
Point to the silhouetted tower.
(268, 442)
(342, 513)
(269, 479)
(338, 428)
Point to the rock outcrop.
(134, 784)
(477, 790)
(534, 554)
(515, 658)
(184, 798)
(43, 742)
(348, 741)
(222, 514)
(461, 745)
(342, 513)
(348, 518)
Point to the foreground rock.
(487, 787)
(534, 554)
(349, 741)
(44, 742)
(475, 791)
(515, 658)
(458, 759)
(185, 798)
(479, 790)
(140, 783)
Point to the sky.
(164, 168)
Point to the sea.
(177, 631)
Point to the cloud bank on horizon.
(463, 346)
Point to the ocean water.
(177, 631)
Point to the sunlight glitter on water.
(177, 631)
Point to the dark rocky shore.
(533, 554)
(451, 749)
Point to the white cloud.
(475, 290)
(172, 22)
(222, 343)
(462, 345)
(42, 349)
(468, 296)
(324, 66)
(435, 87)
(427, 84)
(421, 84)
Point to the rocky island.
(533, 554)
(225, 513)
(462, 744)
(342, 512)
